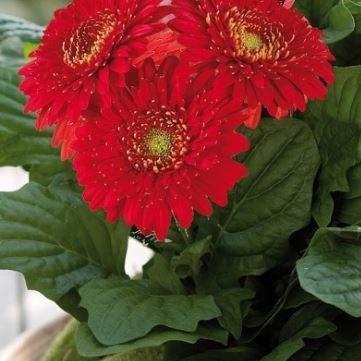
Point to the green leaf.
(306, 318)
(337, 128)
(343, 102)
(50, 236)
(331, 270)
(144, 354)
(333, 16)
(350, 208)
(14, 32)
(229, 301)
(338, 144)
(285, 350)
(322, 351)
(316, 11)
(244, 353)
(88, 345)
(317, 328)
(139, 309)
(268, 206)
(355, 8)
(340, 23)
(162, 277)
(11, 26)
(189, 262)
(21, 144)
(297, 298)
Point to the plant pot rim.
(33, 344)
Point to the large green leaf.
(21, 144)
(331, 270)
(50, 236)
(269, 205)
(89, 346)
(336, 123)
(138, 309)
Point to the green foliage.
(333, 16)
(14, 33)
(89, 346)
(229, 301)
(231, 354)
(336, 123)
(136, 305)
(350, 208)
(189, 261)
(49, 235)
(21, 144)
(331, 269)
(269, 205)
(329, 351)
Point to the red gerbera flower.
(165, 150)
(270, 53)
(85, 52)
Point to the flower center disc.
(251, 41)
(88, 41)
(157, 140)
(252, 36)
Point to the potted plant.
(224, 136)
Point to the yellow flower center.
(253, 37)
(251, 41)
(158, 143)
(157, 140)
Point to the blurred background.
(22, 310)
(39, 11)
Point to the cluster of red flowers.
(148, 98)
